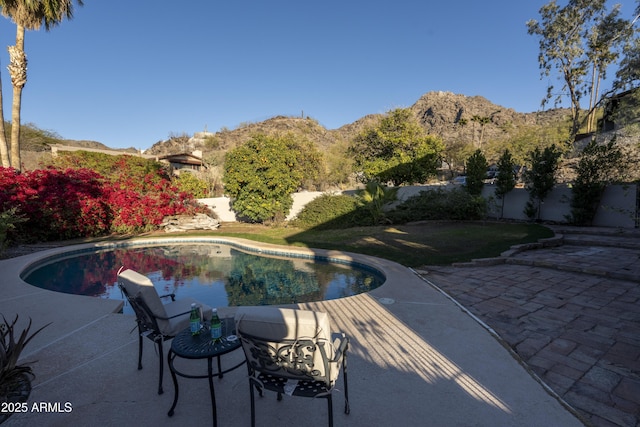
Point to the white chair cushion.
(138, 284)
(135, 283)
(272, 325)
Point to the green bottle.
(216, 326)
(194, 320)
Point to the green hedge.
(342, 211)
(439, 204)
(332, 211)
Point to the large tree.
(27, 15)
(628, 74)
(261, 174)
(579, 41)
(397, 150)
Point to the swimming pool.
(218, 273)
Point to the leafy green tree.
(506, 180)
(261, 175)
(628, 74)
(575, 40)
(606, 41)
(540, 178)
(599, 166)
(396, 150)
(27, 15)
(476, 173)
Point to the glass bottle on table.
(216, 326)
(195, 320)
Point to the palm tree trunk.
(18, 72)
(4, 148)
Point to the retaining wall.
(618, 207)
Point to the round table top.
(202, 345)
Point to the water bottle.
(216, 326)
(194, 320)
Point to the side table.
(201, 346)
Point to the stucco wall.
(618, 207)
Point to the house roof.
(184, 158)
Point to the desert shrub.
(439, 204)
(332, 211)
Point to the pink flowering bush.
(60, 204)
(141, 205)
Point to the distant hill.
(450, 115)
(439, 112)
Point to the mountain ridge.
(440, 113)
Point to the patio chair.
(290, 352)
(155, 320)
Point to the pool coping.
(449, 356)
(42, 305)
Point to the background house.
(184, 161)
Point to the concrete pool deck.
(416, 358)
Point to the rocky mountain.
(450, 116)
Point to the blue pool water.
(219, 275)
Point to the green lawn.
(415, 245)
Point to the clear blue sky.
(129, 73)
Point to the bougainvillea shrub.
(141, 205)
(77, 202)
(56, 204)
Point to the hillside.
(439, 112)
(225, 140)
(451, 116)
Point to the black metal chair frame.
(148, 327)
(295, 358)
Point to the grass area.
(414, 245)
